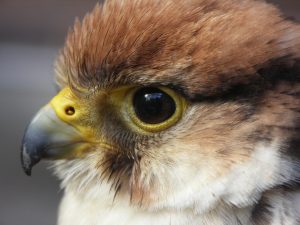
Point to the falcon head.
(174, 104)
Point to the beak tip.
(26, 168)
(27, 171)
(26, 161)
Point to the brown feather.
(202, 46)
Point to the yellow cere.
(70, 109)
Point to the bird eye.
(152, 105)
(154, 109)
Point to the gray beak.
(47, 137)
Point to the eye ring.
(179, 107)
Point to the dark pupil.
(152, 105)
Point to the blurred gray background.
(31, 33)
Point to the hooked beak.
(50, 137)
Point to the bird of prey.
(175, 112)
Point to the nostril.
(70, 110)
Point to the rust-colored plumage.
(205, 46)
(233, 158)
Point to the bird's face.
(167, 119)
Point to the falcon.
(175, 112)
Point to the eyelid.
(153, 128)
(121, 99)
